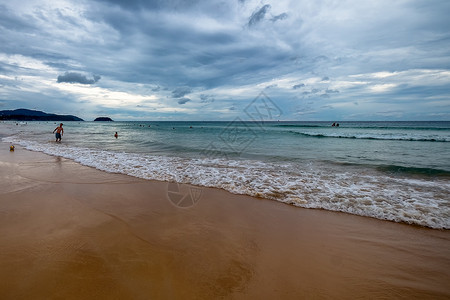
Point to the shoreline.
(77, 232)
(385, 192)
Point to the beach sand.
(73, 232)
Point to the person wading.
(59, 132)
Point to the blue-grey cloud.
(153, 4)
(206, 98)
(183, 100)
(279, 17)
(181, 92)
(10, 20)
(57, 65)
(73, 77)
(258, 15)
(229, 51)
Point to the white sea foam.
(366, 193)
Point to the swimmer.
(59, 132)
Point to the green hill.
(34, 115)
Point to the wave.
(372, 137)
(302, 126)
(343, 125)
(394, 169)
(367, 193)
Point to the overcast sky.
(208, 60)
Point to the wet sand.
(72, 232)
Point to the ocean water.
(397, 171)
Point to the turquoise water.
(398, 171)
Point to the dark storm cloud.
(183, 100)
(279, 17)
(297, 86)
(73, 77)
(181, 92)
(169, 49)
(182, 48)
(258, 15)
(172, 48)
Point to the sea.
(396, 171)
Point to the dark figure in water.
(116, 135)
(334, 124)
(59, 132)
(337, 124)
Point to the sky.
(212, 60)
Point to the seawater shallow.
(396, 171)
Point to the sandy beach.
(69, 231)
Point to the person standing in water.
(116, 135)
(59, 132)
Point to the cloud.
(183, 100)
(156, 5)
(206, 98)
(258, 15)
(279, 17)
(271, 86)
(227, 51)
(181, 92)
(73, 77)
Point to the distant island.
(23, 114)
(103, 119)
